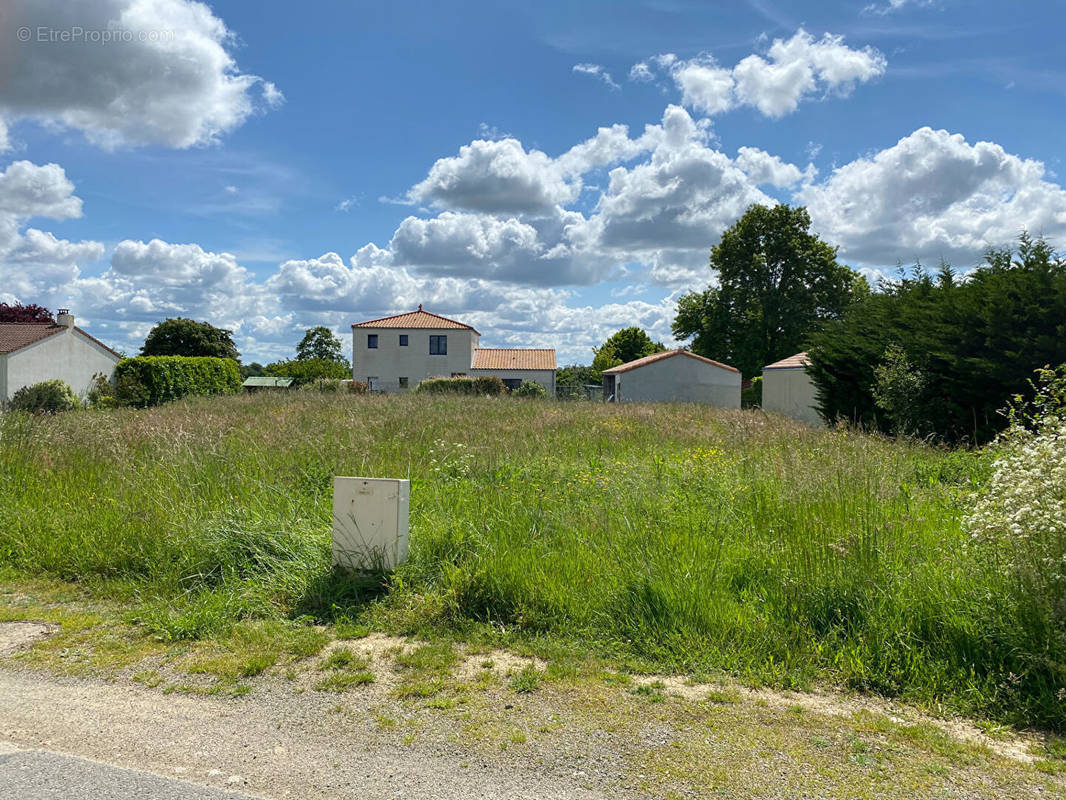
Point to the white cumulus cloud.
(793, 70)
(164, 76)
(933, 195)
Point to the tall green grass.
(677, 537)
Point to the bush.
(751, 395)
(334, 386)
(151, 380)
(1020, 515)
(46, 397)
(101, 393)
(484, 385)
(308, 370)
(899, 390)
(530, 389)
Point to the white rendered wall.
(389, 362)
(790, 391)
(545, 377)
(69, 355)
(679, 379)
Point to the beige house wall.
(69, 355)
(389, 362)
(679, 379)
(790, 391)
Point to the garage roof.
(643, 362)
(792, 362)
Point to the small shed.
(259, 383)
(676, 376)
(787, 389)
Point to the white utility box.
(370, 522)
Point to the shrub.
(1020, 514)
(751, 395)
(899, 390)
(47, 397)
(484, 385)
(308, 370)
(325, 386)
(530, 389)
(151, 380)
(101, 393)
(334, 386)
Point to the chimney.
(65, 318)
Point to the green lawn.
(671, 538)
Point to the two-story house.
(394, 354)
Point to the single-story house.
(257, 383)
(787, 389)
(676, 376)
(32, 352)
(395, 354)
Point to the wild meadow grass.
(664, 537)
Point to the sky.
(548, 172)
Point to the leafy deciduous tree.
(179, 336)
(624, 346)
(776, 282)
(319, 342)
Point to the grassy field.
(670, 538)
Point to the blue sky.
(549, 172)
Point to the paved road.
(41, 775)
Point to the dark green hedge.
(151, 380)
(471, 386)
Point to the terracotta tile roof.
(643, 362)
(16, 335)
(792, 362)
(498, 358)
(414, 319)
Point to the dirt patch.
(16, 635)
(1016, 745)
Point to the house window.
(372, 384)
(403, 340)
(403, 381)
(372, 341)
(438, 345)
(512, 383)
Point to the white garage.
(676, 376)
(787, 389)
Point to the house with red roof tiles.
(674, 376)
(31, 352)
(395, 354)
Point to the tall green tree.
(776, 282)
(624, 346)
(179, 336)
(319, 342)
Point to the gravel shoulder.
(384, 717)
